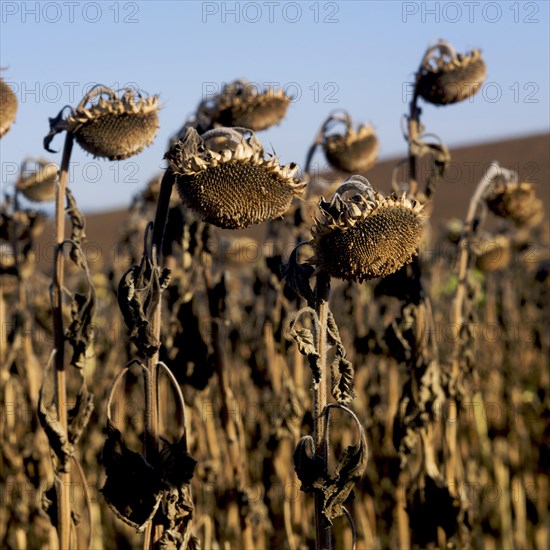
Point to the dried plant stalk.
(64, 479)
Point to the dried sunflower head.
(38, 179)
(367, 235)
(449, 77)
(243, 104)
(350, 151)
(8, 107)
(225, 176)
(116, 126)
(515, 201)
(354, 151)
(452, 230)
(493, 254)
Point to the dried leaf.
(164, 483)
(79, 415)
(57, 125)
(350, 469)
(309, 467)
(306, 345)
(139, 293)
(342, 373)
(57, 437)
(79, 332)
(133, 502)
(336, 490)
(342, 383)
(177, 467)
(78, 228)
(63, 443)
(297, 276)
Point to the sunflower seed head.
(243, 104)
(444, 80)
(493, 253)
(452, 230)
(8, 107)
(367, 235)
(225, 176)
(355, 151)
(116, 128)
(515, 201)
(38, 185)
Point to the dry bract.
(355, 151)
(38, 185)
(115, 128)
(8, 107)
(225, 176)
(242, 104)
(451, 77)
(367, 235)
(516, 201)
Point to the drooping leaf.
(57, 125)
(342, 372)
(62, 442)
(79, 415)
(177, 467)
(350, 469)
(78, 229)
(306, 344)
(337, 489)
(79, 332)
(297, 276)
(139, 293)
(133, 487)
(342, 379)
(309, 467)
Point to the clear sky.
(354, 55)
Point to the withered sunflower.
(449, 77)
(493, 254)
(116, 126)
(38, 179)
(350, 151)
(224, 175)
(354, 151)
(243, 104)
(516, 201)
(366, 235)
(8, 107)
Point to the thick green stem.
(63, 478)
(323, 534)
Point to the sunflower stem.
(161, 216)
(457, 311)
(152, 418)
(457, 321)
(323, 534)
(63, 479)
(414, 133)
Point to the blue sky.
(354, 55)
